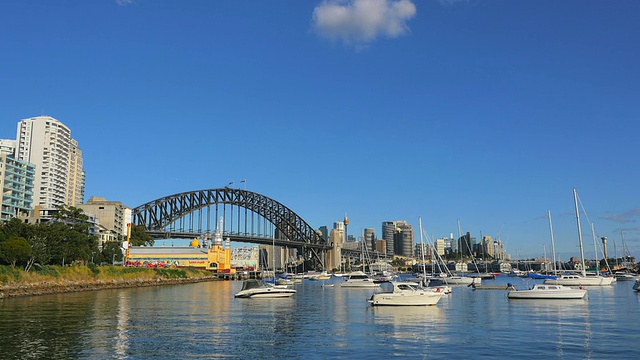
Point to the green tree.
(111, 251)
(15, 250)
(39, 238)
(13, 227)
(140, 237)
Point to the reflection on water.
(205, 321)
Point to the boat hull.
(424, 299)
(548, 292)
(576, 280)
(461, 280)
(266, 293)
(406, 294)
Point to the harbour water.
(205, 321)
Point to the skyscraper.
(370, 238)
(403, 239)
(59, 175)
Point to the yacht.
(254, 288)
(406, 294)
(580, 280)
(542, 291)
(359, 279)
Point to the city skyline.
(486, 112)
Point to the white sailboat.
(540, 291)
(579, 279)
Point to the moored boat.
(542, 291)
(406, 294)
(359, 279)
(254, 288)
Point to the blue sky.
(489, 112)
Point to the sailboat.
(540, 291)
(580, 279)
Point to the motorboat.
(359, 279)
(543, 291)
(406, 294)
(254, 288)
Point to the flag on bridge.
(231, 183)
(244, 181)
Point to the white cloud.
(125, 2)
(360, 22)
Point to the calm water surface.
(205, 321)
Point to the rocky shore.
(63, 286)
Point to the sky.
(482, 112)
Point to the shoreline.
(65, 286)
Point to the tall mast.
(575, 200)
(424, 265)
(553, 245)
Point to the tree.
(39, 238)
(140, 237)
(111, 251)
(15, 250)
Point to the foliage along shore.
(57, 279)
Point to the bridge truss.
(246, 217)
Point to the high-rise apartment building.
(59, 175)
(16, 182)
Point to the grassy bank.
(57, 279)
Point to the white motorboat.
(406, 294)
(542, 291)
(359, 279)
(254, 288)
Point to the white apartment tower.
(47, 143)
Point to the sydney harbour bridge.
(246, 217)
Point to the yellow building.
(215, 258)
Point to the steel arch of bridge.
(159, 214)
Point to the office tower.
(370, 238)
(59, 177)
(16, 182)
(388, 233)
(403, 239)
